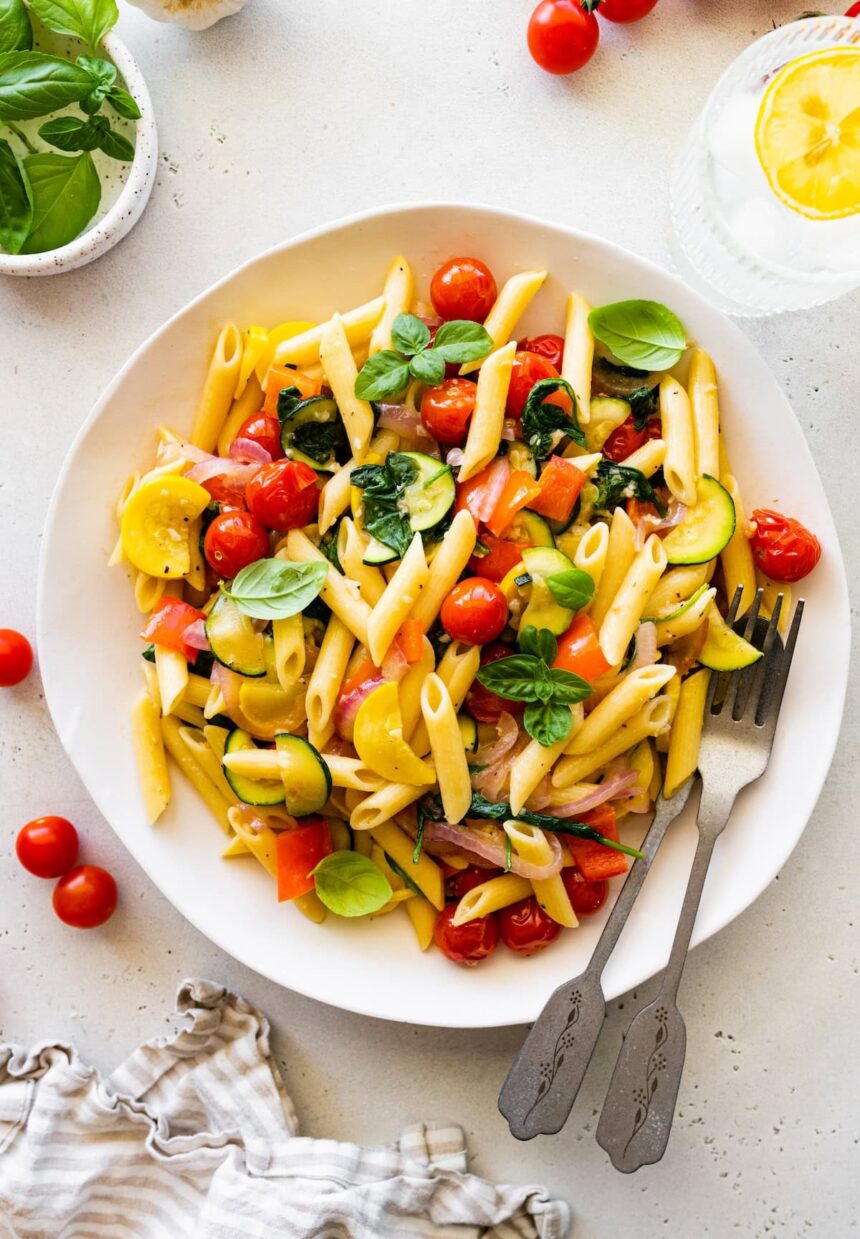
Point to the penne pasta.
(327, 676)
(688, 621)
(398, 291)
(536, 761)
(648, 458)
(625, 610)
(150, 756)
(491, 896)
(619, 556)
(619, 706)
(341, 595)
(457, 669)
(399, 598)
(243, 407)
(736, 557)
(485, 426)
(592, 550)
(304, 349)
(706, 413)
(512, 302)
(651, 720)
(679, 465)
(172, 670)
(335, 495)
(686, 733)
(450, 560)
(578, 354)
(288, 637)
(340, 371)
(446, 747)
(351, 548)
(217, 395)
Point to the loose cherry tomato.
(562, 37)
(475, 611)
(579, 650)
(585, 897)
(47, 846)
(234, 540)
(465, 944)
(549, 346)
(854, 11)
(499, 559)
(528, 369)
(526, 928)
(784, 549)
(483, 705)
(85, 897)
(283, 495)
(463, 880)
(446, 409)
(463, 288)
(625, 10)
(16, 657)
(226, 496)
(265, 430)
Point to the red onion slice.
(646, 646)
(507, 731)
(348, 706)
(455, 457)
(195, 635)
(485, 502)
(234, 474)
(612, 788)
(493, 851)
(249, 452)
(509, 429)
(404, 421)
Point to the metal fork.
(741, 714)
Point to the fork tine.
(771, 697)
(761, 673)
(716, 676)
(736, 700)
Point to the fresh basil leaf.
(538, 641)
(567, 687)
(383, 485)
(573, 589)
(70, 133)
(350, 884)
(384, 374)
(328, 546)
(66, 196)
(547, 722)
(409, 334)
(34, 85)
(541, 419)
(428, 366)
(89, 20)
(16, 201)
(271, 589)
(16, 33)
(615, 483)
(121, 101)
(116, 146)
(543, 690)
(461, 340)
(512, 677)
(644, 334)
(103, 75)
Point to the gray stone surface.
(291, 115)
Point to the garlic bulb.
(195, 14)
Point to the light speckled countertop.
(288, 116)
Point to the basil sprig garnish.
(642, 334)
(541, 418)
(68, 133)
(272, 589)
(388, 372)
(573, 588)
(350, 884)
(385, 516)
(16, 33)
(615, 483)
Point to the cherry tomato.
(579, 650)
(85, 897)
(234, 540)
(483, 705)
(526, 928)
(475, 611)
(528, 369)
(469, 943)
(265, 430)
(168, 624)
(549, 346)
(283, 495)
(463, 288)
(854, 11)
(784, 549)
(499, 559)
(463, 880)
(562, 37)
(626, 10)
(227, 496)
(585, 897)
(446, 409)
(624, 441)
(47, 846)
(16, 657)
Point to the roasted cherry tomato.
(168, 623)
(465, 944)
(16, 657)
(626, 10)
(579, 650)
(483, 705)
(526, 928)
(263, 429)
(549, 346)
(475, 611)
(283, 495)
(528, 369)
(463, 880)
(446, 409)
(585, 897)
(47, 846)
(226, 496)
(499, 559)
(784, 549)
(626, 439)
(85, 897)
(854, 11)
(463, 288)
(234, 540)
(562, 37)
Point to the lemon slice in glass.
(808, 134)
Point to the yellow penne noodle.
(457, 669)
(208, 761)
(235, 847)
(653, 718)
(250, 401)
(446, 747)
(706, 413)
(216, 803)
(509, 307)
(422, 916)
(261, 844)
(189, 714)
(400, 596)
(490, 896)
(328, 673)
(736, 558)
(536, 761)
(619, 557)
(150, 681)
(528, 842)
(686, 731)
(148, 592)
(351, 548)
(426, 874)
(217, 395)
(341, 595)
(627, 606)
(618, 706)
(591, 551)
(485, 426)
(340, 371)
(672, 629)
(172, 670)
(675, 587)
(151, 760)
(679, 466)
(578, 354)
(310, 906)
(398, 291)
(380, 807)
(552, 896)
(669, 696)
(289, 642)
(409, 689)
(648, 458)
(304, 349)
(196, 576)
(448, 563)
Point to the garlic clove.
(193, 14)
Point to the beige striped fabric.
(195, 1135)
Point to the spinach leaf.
(271, 589)
(89, 20)
(66, 196)
(643, 404)
(328, 546)
(34, 85)
(16, 201)
(16, 33)
(321, 440)
(541, 418)
(643, 334)
(615, 483)
(385, 515)
(350, 884)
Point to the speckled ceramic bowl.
(109, 225)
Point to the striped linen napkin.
(195, 1135)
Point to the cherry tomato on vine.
(784, 549)
(446, 409)
(562, 37)
(263, 429)
(549, 346)
(475, 611)
(85, 897)
(234, 540)
(626, 10)
(526, 928)
(16, 657)
(585, 897)
(528, 369)
(47, 846)
(284, 494)
(484, 705)
(463, 288)
(469, 943)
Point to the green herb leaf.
(643, 405)
(16, 33)
(383, 485)
(568, 687)
(271, 589)
(401, 873)
(541, 419)
(615, 483)
(70, 133)
(16, 201)
(543, 684)
(350, 884)
(509, 852)
(513, 677)
(121, 101)
(538, 641)
(103, 74)
(644, 334)
(34, 85)
(428, 366)
(460, 341)
(328, 546)
(66, 196)
(117, 146)
(547, 722)
(288, 398)
(573, 589)
(384, 374)
(89, 20)
(409, 334)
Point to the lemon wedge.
(807, 134)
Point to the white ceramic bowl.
(89, 646)
(111, 227)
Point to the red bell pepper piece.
(579, 650)
(520, 489)
(410, 640)
(593, 860)
(558, 489)
(167, 624)
(298, 854)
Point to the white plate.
(89, 647)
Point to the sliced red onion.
(646, 646)
(494, 851)
(195, 635)
(339, 748)
(455, 457)
(493, 781)
(250, 452)
(509, 429)
(173, 448)
(234, 474)
(612, 788)
(349, 704)
(507, 732)
(676, 513)
(403, 420)
(394, 664)
(491, 492)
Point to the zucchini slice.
(378, 553)
(724, 649)
(252, 791)
(468, 732)
(306, 777)
(531, 528)
(313, 433)
(234, 640)
(676, 611)
(707, 527)
(542, 610)
(431, 496)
